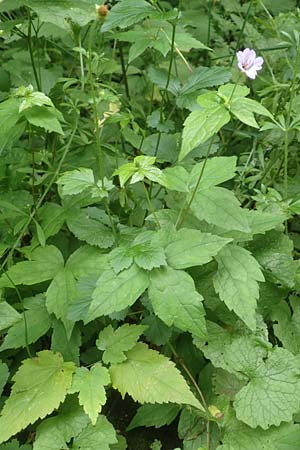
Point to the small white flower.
(249, 63)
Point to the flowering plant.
(249, 63)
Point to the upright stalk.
(241, 32)
(124, 71)
(30, 48)
(81, 62)
(184, 210)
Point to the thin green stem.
(30, 48)
(184, 210)
(124, 72)
(241, 32)
(81, 62)
(151, 206)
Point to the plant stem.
(124, 72)
(30, 48)
(183, 212)
(81, 62)
(151, 206)
(241, 32)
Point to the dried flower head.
(102, 10)
(249, 63)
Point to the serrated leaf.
(217, 170)
(4, 374)
(148, 256)
(176, 302)
(243, 109)
(193, 248)
(240, 437)
(126, 13)
(54, 432)
(115, 292)
(44, 117)
(236, 282)
(45, 263)
(154, 416)
(219, 206)
(157, 332)
(37, 324)
(176, 179)
(200, 125)
(40, 385)
(96, 437)
(116, 342)
(90, 230)
(149, 377)
(203, 77)
(68, 346)
(90, 386)
(272, 395)
(76, 181)
(8, 316)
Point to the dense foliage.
(149, 238)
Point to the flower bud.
(102, 11)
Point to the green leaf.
(116, 342)
(149, 377)
(193, 248)
(120, 258)
(176, 179)
(219, 206)
(90, 230)
(4, 374)
(68, 346)
(76, 181)
(217, 170)
(204, 77)
(115, 292)
(202, 125)
(148, 256)
(175, 300)
(90, 385)
(37, 324)
(40, 385)
(8, 316)
(157, 331)
(154, 416)
(54, 432)
(243, 109)
(9, 115)
(126, 13)
(44, 264)
(96, 437)
(44, 117)
(240, 437)
(272, 395)
(287, 324)
(236, 282)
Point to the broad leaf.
(90, 386)
(219, 206)
(217, 170)
(236, 282)
(272, 395)
(40, 385)
(76, 181)
(8, 316)
(43, 266)
(154, 416)
(96, 437)
(4, 374)
(126, 13)
(44, 117)
(175, 300)
(193, 248)
(202, 125)
(149, 377)
(116, 342)
(37, 324)
(68, 346)
(115, 292)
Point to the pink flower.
(248, 63)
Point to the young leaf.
(126, 13)
(176, 302)
(45, 263)
(96, 437)
(90, 385)
(193, 248)
(149, 377)
(201, 125)
(154, 416)
(40, 385)
(115, 292)
(116, 342)
(236, 282)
